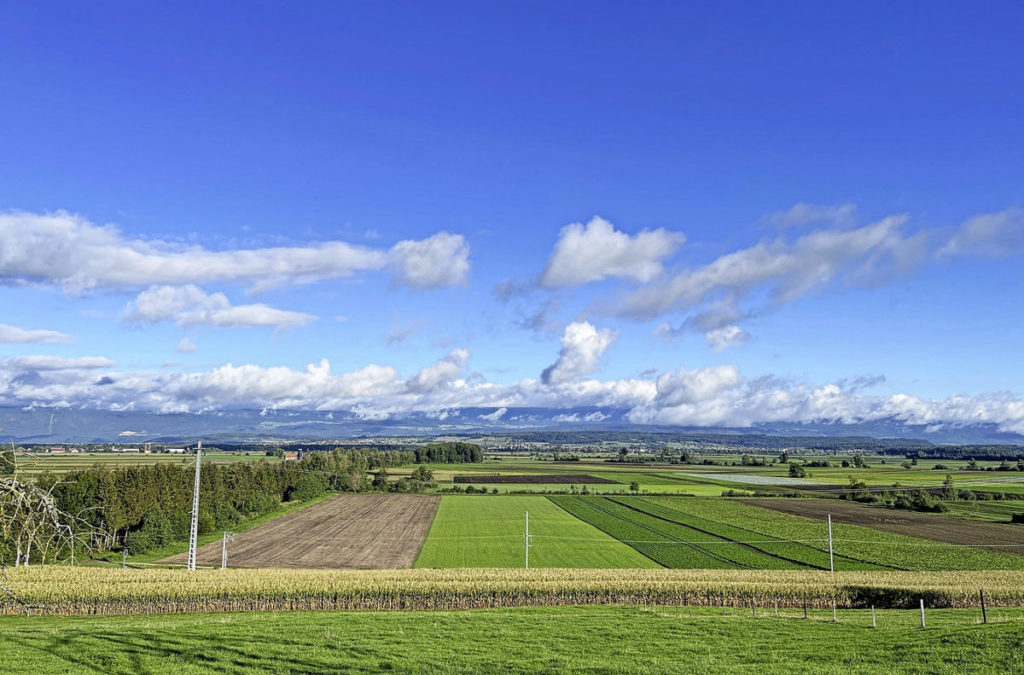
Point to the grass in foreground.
(524, 640)
(488, 532)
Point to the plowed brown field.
(993, 536)
(347, 531)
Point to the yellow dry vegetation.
(94, 590)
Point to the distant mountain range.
(63, 425)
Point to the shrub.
(306, 487)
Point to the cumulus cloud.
(447, 369)
(186, 346)
(597, 251)
(68, 251)
(440, 260)
(191, 306)
(15, 335)
(582, 346)
(715, 396)
(991, 235)
(722, 338)
(789, 270)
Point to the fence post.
(873, 623)
(984, 614)
(922, 613)
(753, 609)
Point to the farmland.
(95, 590)
(925, 525)
(36, 463)
(346, 531)
(470, 531)
(533, 478)
(853, 541)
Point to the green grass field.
(487, 531)
(523, 640)
(852, 541)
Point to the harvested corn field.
(363, 531)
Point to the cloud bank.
(66, 250)
(714, 396)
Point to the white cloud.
(721, 339)
(56, 363)
(191, 306)
(991, 235)
(186, 346)
(68, 251)
(802, 214)
(13, 334)
(447, 369)
(440, 260)
(597, 251)
(495, 416)
(789, 270)
(582, 346)
(716, 396)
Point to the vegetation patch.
(533, 479)
(94, 590)
(471, 531)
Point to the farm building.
(176, 451)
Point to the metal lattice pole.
(228, 536)
(194, 529)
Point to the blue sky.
(716, 142)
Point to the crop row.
(91, 590)
(852, 541)
(806, 553)
(669, 543)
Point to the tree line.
(145, 507)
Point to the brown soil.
(910, 523)
(347, 531)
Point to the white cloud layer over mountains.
(718, 395)
(716, 299)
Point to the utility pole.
(527, 540)
(194, 530)
(831, 561)
(228, 536)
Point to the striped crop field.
(688, 532)
(850, 542)
(65, 590)
(487, 531)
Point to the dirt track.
(347, 531)
(910, 523)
